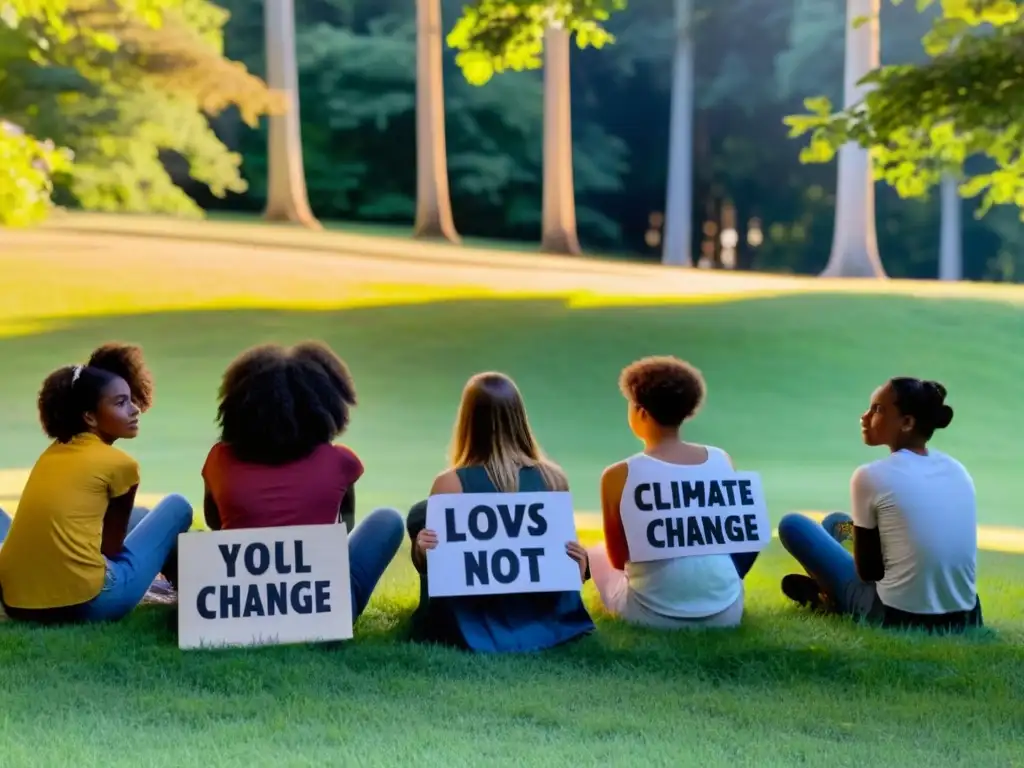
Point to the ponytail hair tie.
(76, 374)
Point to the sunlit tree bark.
(679, 196)
(287, 199)
(854, 240)
(433, 200)
(558, 225)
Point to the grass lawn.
(788, 375)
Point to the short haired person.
(276, 463)
(914, 525)
(687, 591)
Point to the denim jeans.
(148, 548)
(371, 548)
(828, 563)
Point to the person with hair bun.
(276, 463)
(78, 549)
(913, 523)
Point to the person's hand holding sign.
(576, 551)
(426, 539)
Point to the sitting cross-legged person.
(79, 550)
(689, 591)
(276, 464)
(495, 452)
(913, 524)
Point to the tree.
(950, 248)
(287, 199)
(433, 199)
(679, 196)
(494, 36)
(558, 203)
(854, 240)
(127, 87)
(922, 121)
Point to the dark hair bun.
(942, 414)
(943, 417)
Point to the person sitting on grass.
(682, 592)
(913, 525)
(494, 451)
(276, 464)
(76, 551)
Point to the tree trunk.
(678, 241)
(287, 199)
(951, 261)
(854, 240)
(433, 200)
(558, 224)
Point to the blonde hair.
(492, 431)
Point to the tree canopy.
(493, 36)
(924, 120)
(117, 89)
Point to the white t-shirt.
(694, 586)
(925, 512)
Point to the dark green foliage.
(127, 86)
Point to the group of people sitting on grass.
(80, 549)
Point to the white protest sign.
(501, 543)
(263, 586)
(673, 510)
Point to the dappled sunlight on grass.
(64, 273)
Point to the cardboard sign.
(263, 586)
(501, 543)
(675, 511)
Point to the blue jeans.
(149, 547)
(152, 539)
(828, 563)
(371, 548)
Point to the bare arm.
(613, 480)
(446, 482)
(867, 541)
(115, 522)
(210, 511)
(347, 508)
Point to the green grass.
(787, 377)
(785, 689)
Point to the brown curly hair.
(278, 404)
(669, 389)
(71, 392)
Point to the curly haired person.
(78, 549)
(276, 463)
(687, 591)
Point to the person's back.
(307, 491)
(498, 623)
(913, 520)
(926, 516)
(51, 556)
(494, 451)
(692, 586)
(687, 591)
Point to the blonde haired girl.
(494, 451)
